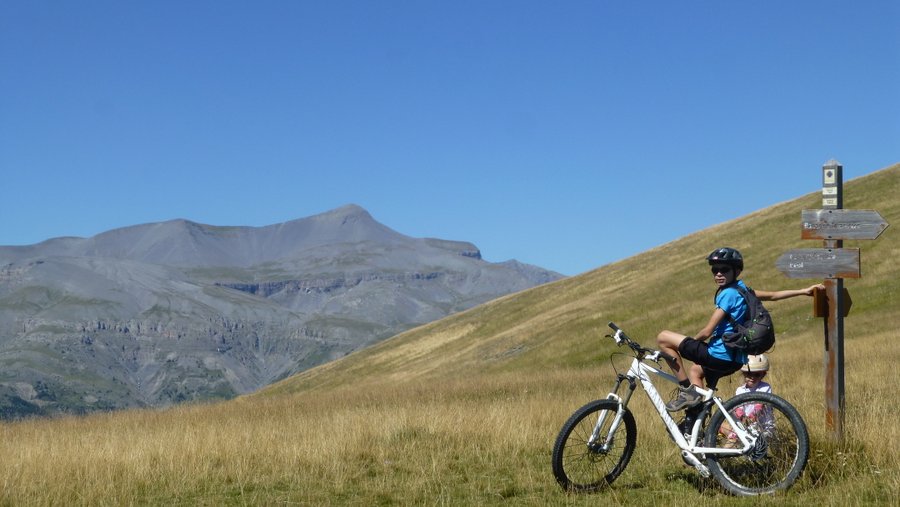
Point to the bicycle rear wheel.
(581, 465)
(776, 460)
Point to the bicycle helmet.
(728, 256)
(756, 363)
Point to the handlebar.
(621, 338)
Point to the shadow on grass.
(695, 481)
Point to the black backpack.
(757, 334)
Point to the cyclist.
(712, 360)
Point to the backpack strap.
(742, 291)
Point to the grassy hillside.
(560, 325)
(465, 410)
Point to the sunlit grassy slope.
(560, 325)
(464, 411)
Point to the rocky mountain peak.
(163, 312)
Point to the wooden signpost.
(841, 224)
(833, 225)
(820, 263)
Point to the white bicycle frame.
(640, 371)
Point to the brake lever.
(663, 355)
(655, 357)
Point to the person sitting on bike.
(713, 360)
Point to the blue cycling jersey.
(731, 302)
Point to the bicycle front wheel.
(582, 463)
(776, 460)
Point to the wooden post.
(833, 198)
(833, 225)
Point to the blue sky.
(563, 134)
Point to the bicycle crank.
(692, 460)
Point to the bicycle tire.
(582, 467)
(778, 458)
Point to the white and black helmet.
(727, 256)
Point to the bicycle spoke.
(582, 465)
(778, 455)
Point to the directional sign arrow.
(820, 263)
(841, 224)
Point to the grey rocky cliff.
(161, 313)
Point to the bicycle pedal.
(693, 461)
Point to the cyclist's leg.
(705, 367)
(714, 369)
(696, 374)
(669, 342)
(695, 351)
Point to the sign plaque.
(841, 224)
(820, 263)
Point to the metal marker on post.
(833, 199)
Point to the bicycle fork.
(621, 404)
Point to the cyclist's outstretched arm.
(766, 295)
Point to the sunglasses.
(720, 269)
(755, 374)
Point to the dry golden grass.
(485, 439)
(465, 411)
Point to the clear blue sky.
(563, 134)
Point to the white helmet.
(757, 363)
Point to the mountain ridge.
(222, 245)
(172, 311)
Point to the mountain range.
(167, 312)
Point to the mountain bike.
(752, 444)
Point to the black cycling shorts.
(713, 367)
